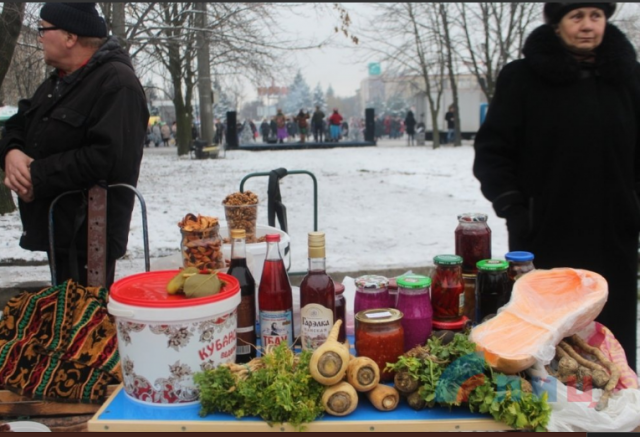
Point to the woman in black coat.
(559, 154)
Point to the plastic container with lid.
(447, 288)
(380, 336)
(473, 240)
(414, 302)
(371, 292)
(492, 288)
(163, 339)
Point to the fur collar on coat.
(615, 57)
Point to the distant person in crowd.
(303, 124)
(292, 128)
(273, 128)
(378, 127)
(450, 118)
(344, 129)
(410, 126)
(194, 132)
(174, 130)
(165, 131)
(157, 134)
(317, 121)
(335, 121)
(219, 131)
(281, 124)
(264, 130)
(558, 154)
(84, 125)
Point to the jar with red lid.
(380, 336)
(447, 288)
(473, 240)
(341, 311)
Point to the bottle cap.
(519, 256)
(492, 265)
(447, 260)
(238, 233)
(316, 245)
(414, 281)
(272, 238)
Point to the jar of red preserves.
(379, 336)
(473, 240)
(447, 288)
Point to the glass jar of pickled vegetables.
(415, 303)
(520, 262)
(492, 288)
(447, 288)
(473, 240)
(371, 292)
(380, 336)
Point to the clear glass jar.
(380, 336)
(447, 288)
(473, 240)
(520, 262)
(415, 303)
(371, 292)
(202, 248)
(492, 288)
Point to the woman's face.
(582, 29)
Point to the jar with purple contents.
(415, 304)
(473, 240)
(371, 292)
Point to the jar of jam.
(520, 262)
(371, 292)
(447, 288)
(393, 292)
(492, 288)
(473, 240)
(415, 304)
(469, 296)
(341, 311)
(380, 336)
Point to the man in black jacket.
(85, 124)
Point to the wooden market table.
(120, 413)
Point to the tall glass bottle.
(246, 330)
(275, 300)
(317, 296)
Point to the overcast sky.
(327, 65)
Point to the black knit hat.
(81, 19)
(553, 12)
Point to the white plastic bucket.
(164, 339)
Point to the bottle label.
(276, 327)
(461, 304)
(317, 321)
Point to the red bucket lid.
(149, 290)
(455, 325)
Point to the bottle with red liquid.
(275, 299)
(473, 240)
(246, 330)
(317, 297)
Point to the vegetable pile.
(276, 387)
(452, 374)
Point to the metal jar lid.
(372, 282)
(379, 315)
(492, 265)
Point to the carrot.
(384, 397)
(329, 362)
(363, 374)
(340, 399)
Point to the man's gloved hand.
(518, 222)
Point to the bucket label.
(276, 327)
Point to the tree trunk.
(10, 25)
(457, 141)
(204, 78)
(118, 27)
(436, 131)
